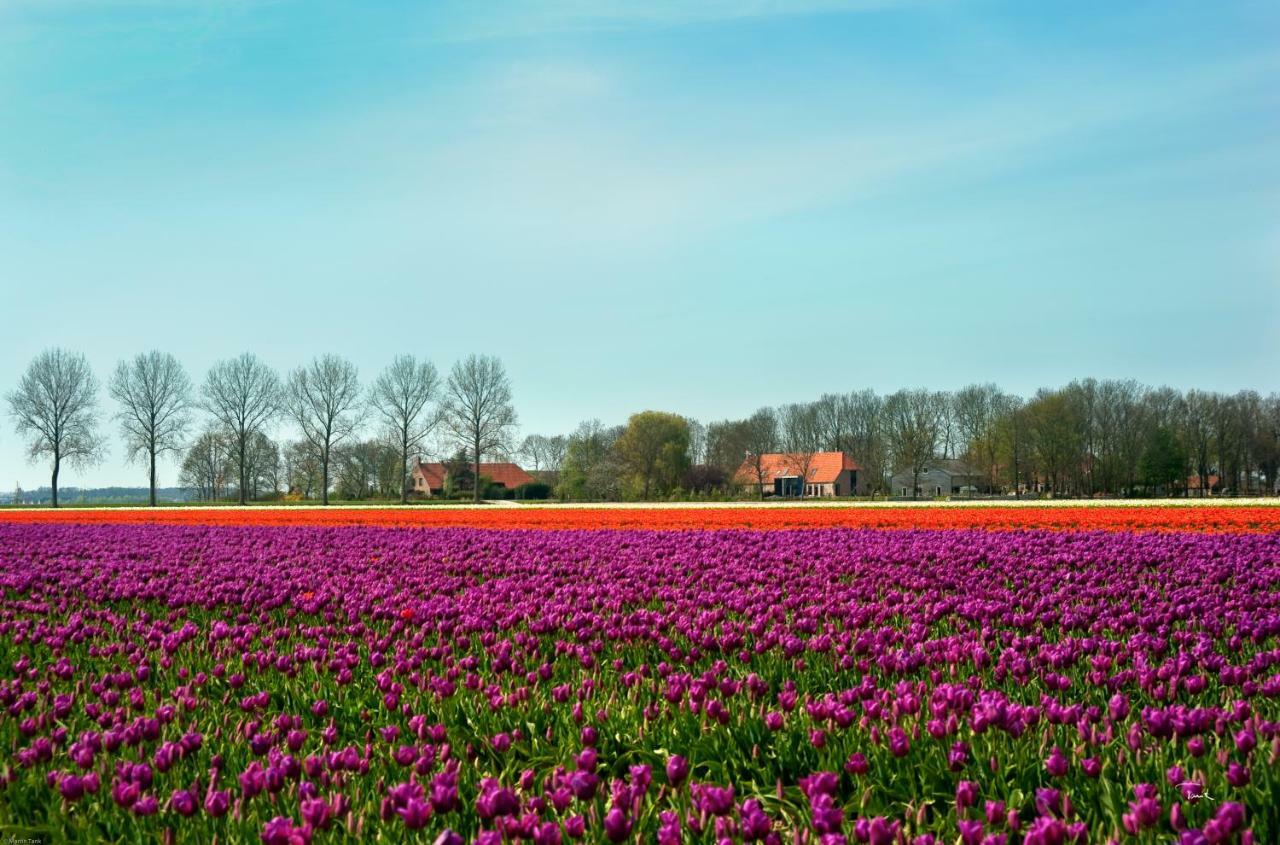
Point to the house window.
(937, 491)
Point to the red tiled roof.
(507, 474)
(824, 467)
(433, 473)
(1193, 481)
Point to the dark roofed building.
(940, 477)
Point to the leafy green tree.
(654, 448)
(1164, 461)
(1054, 424)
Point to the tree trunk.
(243, 477)
(57, 460)
(404, 466)
(404, 476)
(153, 475)
(475, 479)
(324, 477)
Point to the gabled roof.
(1193, 481)
(947, 466)
(432, 473)
(507, 474)
(824, 467)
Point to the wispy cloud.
(570, 165)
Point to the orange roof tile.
(507, 474)
(824, 467)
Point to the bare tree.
(1012, 429)
(478, 409)
(834, 418)
(1122, 433)
(591, 468)
(402, 396)
(301, 469)
(262, 466)
(155, 403)
(726, 446)
(205, 467)
(1199, 414)
(546, 454)
(760, 437)
(975, 410)
(697, 441)
(243, 395)
(912, 423)
(802, 435)
(56, 406)
(555, 452)
(366, 468)
(1267, 442)
(323, 398)
(948, 432)
(866, 435)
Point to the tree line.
(220, 429)
(1090, 437)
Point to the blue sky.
(701, 207)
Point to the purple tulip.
(216, 804)
(575, 827)
(966, 794)
(617, 826)
(415, 813)
(677, 770)
(583, 784)
(183, 802)
(1237, 775)
(898, 742)
(280, 831)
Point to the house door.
(787, 485)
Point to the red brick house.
(429, 479)
(824, 474)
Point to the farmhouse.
(941, 477)
(429, 479)
(804, 474)
(1193, 484)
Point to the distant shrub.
(533, 490)
(704, 479)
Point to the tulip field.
(788, 675)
